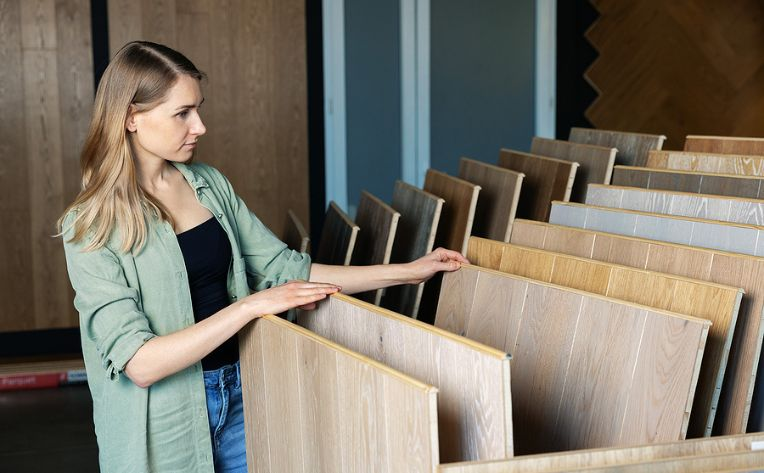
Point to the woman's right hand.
(294, 294)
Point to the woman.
(163, 256)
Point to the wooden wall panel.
(546, 179)
(689, 181)
(740, 165)
(497, 202)
(338, 237)
(617, 457)
(254, 54)
(46, 95)
(595, 162)
(724, 144)
(678, 68)
(737, 270)
(632, 147)
(313, 406)
(474, 402)
(716, 303)
(556, 366)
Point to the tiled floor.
(47, 430)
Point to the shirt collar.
(195, 180)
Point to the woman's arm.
(354, 279)
(165, 355)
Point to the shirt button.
(233, 298)
(220, 215)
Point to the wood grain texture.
(459, 203)
(734, 164)
(254, 55)
(474, 402)
(731, 269)
(688, 181)
(724, 144)
(312, 405)
(595, 162)
(338, 237)
(556, 341)
(716, 303)
(295, 235)
(614, 458)
(420, 215)
(377, 223)
(546, 179)
(632, 147)
(497, 202)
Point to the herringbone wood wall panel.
(678, 68)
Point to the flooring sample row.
(741, 165)
(295, 236)
(377, 223)
(732, 269)
(595, 163)
(714, 302)
(473, 380)
(724, 144)
(632, 147)
(711, 207)
(546, 179)
(337, 237)
(420, 215)
(587, 371)
(313, 406)
(689, 181)
(498, 198)
(617, 457)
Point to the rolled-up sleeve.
(109, 311)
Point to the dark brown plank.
(337, 237)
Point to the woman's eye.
(183, 114)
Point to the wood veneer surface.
(741, 165)
(338, 237)
(724, 144)
(733, 269)
(688, 181)
(587, 371)
(632, 147)
(716, 303)
(473, 380)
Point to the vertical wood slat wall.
(46, 91)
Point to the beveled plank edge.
(537, 156)
(492, 167)
(661, 137)
(725, 138)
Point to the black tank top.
(207, 254)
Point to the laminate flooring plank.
(546, 179)
(377, 223)
(460, 200)
(732, 269)
(632, 147)
(545, 333)
(595, 162)
(724, 144)
(338, 237)
(498, 198)
(688, 181)
(420, 215)
(295, 236)
(732, 164)
(295, 382)
(610, 457)
(474, 406)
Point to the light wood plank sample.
(688, 181)
(632, 147)
(546, 179)
(733, 269)
(377, 223)
(566, 392)
(295, 235)
(313, 406)
(716, 303)
(724, 144)
(420, 215)
(741, 165)
(612, 457)
(595, 162)
(460, 199)
(474, 402)
(337, 237)
(497, 202)
(687, 204)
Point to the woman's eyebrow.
(190, 106)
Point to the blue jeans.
(226, 413)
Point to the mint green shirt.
(125, 299)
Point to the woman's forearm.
(353, 279)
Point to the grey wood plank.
(295, 235)
(337, 237)
(688, 181)
(632, 147)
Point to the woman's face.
(170, 130)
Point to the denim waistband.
(228, 374)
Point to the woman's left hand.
(438, 260)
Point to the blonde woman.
(168, 264)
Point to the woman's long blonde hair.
(139, 75)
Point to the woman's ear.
(130, 124)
